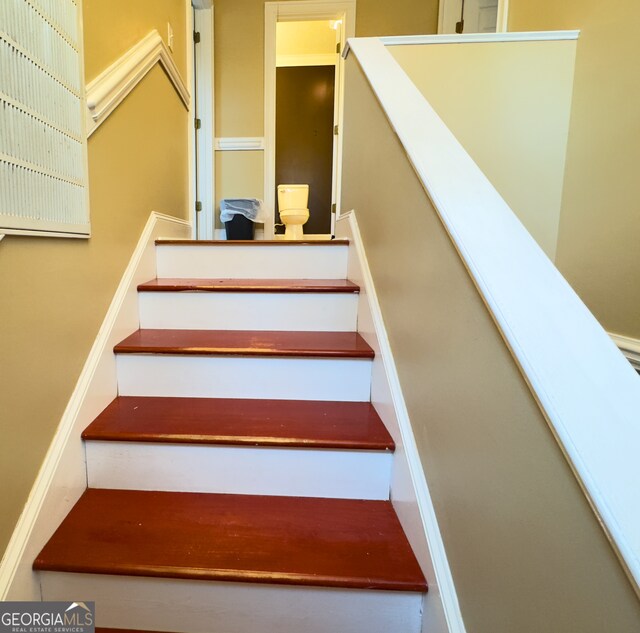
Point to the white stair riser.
(252, 262)
(336, 312)
(244, 377)
(186, 606)
(239, 470)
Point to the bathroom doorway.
(305, 116)
(303, 106)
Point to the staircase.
(240, 481)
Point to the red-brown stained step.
(249, 285)
(246, 343)
(241, 538)
(284, 423)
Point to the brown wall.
(526, 551)
(600, 221)
(56, 291)
(239, 75)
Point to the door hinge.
(197, 123)
(334, 207)
(198, 206)
(196, 37)
(335, 129)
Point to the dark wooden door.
(304, 137)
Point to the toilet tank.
(293, 197)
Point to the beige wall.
(509, 105)
(239, 66)
(56, 291)
(112, 27)
(239, 175)
(600, 222)
(526, 552)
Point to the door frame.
(203, 168)
(502, 25)
(299, 11)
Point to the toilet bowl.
(292, 203)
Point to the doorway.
(306, 60)
(473, 16)
(303, 106)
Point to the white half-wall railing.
(587, 390)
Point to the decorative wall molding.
(239, 144)
(588, 392)
(107, 91)
(630, 347)
(63, 476)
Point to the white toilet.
(294, 212)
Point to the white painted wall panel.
(244, 377)
(251, 262)
(185, 606)
(294, 472)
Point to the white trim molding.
(589, 393)
(239, 144)
(201, 73)
(416, 511)
(473, 38)
(327, 59)
(481, 38)
(630, 347)
(63, 476)
(109, 89)
(502, 24)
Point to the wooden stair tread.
(178, 242)
(249, 285)
(224, 421)
(243, 538)
(246, 343)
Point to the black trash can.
(239, 215)
(239, 228)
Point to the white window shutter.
(43, 166)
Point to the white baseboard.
(630, 347)
(409, 490)
(62, 477)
